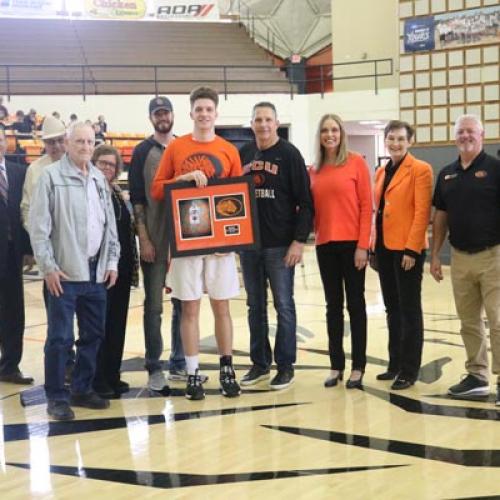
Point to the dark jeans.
(11, 315)
(88, 300)
(402, 292)
(71, 354)
(260, 267)
(110, 354)
(154, 290)
(336, 266)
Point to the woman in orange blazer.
(403, 192)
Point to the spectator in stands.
(21, 126)
(197, 157)
(14, 244)
(72, 120)
(285, 210)
(31, 120)
(53, 137)
(99, 136)
(107, 381)
(403, 191)
(77, 262)
(102, 123)
(56, 114)
(4, 113)
(343, 207)
(151, 226)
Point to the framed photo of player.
(221, 217)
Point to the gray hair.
(77, 126)
(462, 118)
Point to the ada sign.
(179, 10)
(419, 34)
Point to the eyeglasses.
(53, 142)
(106, 164)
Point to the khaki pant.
(476, 284)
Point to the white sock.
(192, 364)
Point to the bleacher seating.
(96, 43)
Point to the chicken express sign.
(115, 9)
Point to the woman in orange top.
(341, 188)
(403, 190)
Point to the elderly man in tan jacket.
(53, 134)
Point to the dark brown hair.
(204, 93)
(106, 149)
(397, 124)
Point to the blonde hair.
(342, 152)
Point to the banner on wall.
(115, 9)
(468, 27)
(419, 34)
(147, 10)
(30, 8)
(456, 29)
(175, 10)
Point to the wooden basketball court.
(303, 442)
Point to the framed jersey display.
(221, 217)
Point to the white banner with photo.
(467, 27)
(30, 8)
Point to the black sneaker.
(282, 379)
(180, 375)
(497, 400)
(470, 387)
(59, 410)
(89, 400)
(194, 387)
(228, 385)
(254, 375)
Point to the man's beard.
(163, 127)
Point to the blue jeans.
(154, 289)
(260, 267)
(88, 300)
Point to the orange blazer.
(407, 208)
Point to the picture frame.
(219, 218)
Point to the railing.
(86, 79)
(258, 30)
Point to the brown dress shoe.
(16, 378)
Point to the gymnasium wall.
(129, 113)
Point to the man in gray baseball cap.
(160, 102)
(151, 224)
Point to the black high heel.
(333, 381)
(355, 384)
